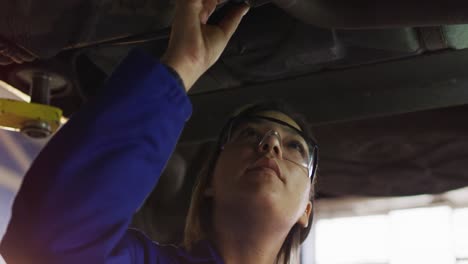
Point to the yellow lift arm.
(34, 120)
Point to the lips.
(266, 163)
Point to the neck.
(243, 237)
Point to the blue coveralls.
(77, 200)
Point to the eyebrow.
(280, 122)
(282, 125)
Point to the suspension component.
(36, 119)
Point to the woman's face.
(269, 175)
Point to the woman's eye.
(297, 146)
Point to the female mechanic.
(252, 204)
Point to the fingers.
(232, 19)
(195, 11)
(209, 7)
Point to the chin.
(261, 194)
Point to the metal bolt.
(36, 129)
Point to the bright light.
(9, 129)
(15, 91)
(430, 235)
(353, 240)
(421, 236)
(460, 232)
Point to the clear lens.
(294, 147)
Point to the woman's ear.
(304, 219)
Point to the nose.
(271, 142)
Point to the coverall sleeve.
(78, 197)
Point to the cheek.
(230, 165)
(301, 185)
(298, 188)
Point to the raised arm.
(77, 199)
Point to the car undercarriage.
(383, 84)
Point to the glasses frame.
(312, 144)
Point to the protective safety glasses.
(258, 131)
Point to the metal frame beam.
(420, 83)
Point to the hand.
(195, 46)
